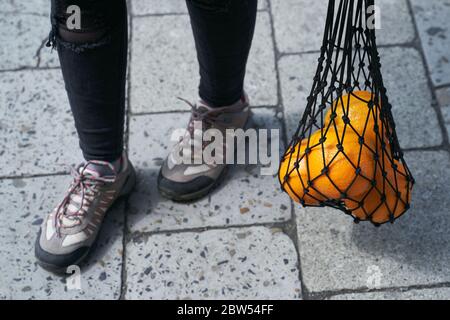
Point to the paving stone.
(245, 197)
(296, 78)
(246, 263)
(38, 7)
(48, 57)
(24, 35)
(261, 80)
(164, 64)
(409, 98)
(423, 294)
(443, 97)
(143, 7)
(36, 128)
(299, 24)
(337, 254)
(397, 25)
(434, 27)
(25, 202)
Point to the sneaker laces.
(208, 119)
(81, 193)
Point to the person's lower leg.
(93, 60)
(223, 32)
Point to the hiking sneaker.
(185, 181)
(68, 232)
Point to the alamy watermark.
(73, 281)
(74, 20)
(212, 147)
(374, 277)
(373, 17)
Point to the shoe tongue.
(98, 170)
(203, 106)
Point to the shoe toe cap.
(57, 262)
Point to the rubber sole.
(128, 187)
(190, 197)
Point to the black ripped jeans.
(93, 57)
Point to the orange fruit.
(296, 184)
(374, 208)
(350, 164)
(347, 168)
(355, 107)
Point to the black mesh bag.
(345, 152)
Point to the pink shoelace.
(85, 185)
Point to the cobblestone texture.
(247, 263)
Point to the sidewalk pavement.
(247, 240)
